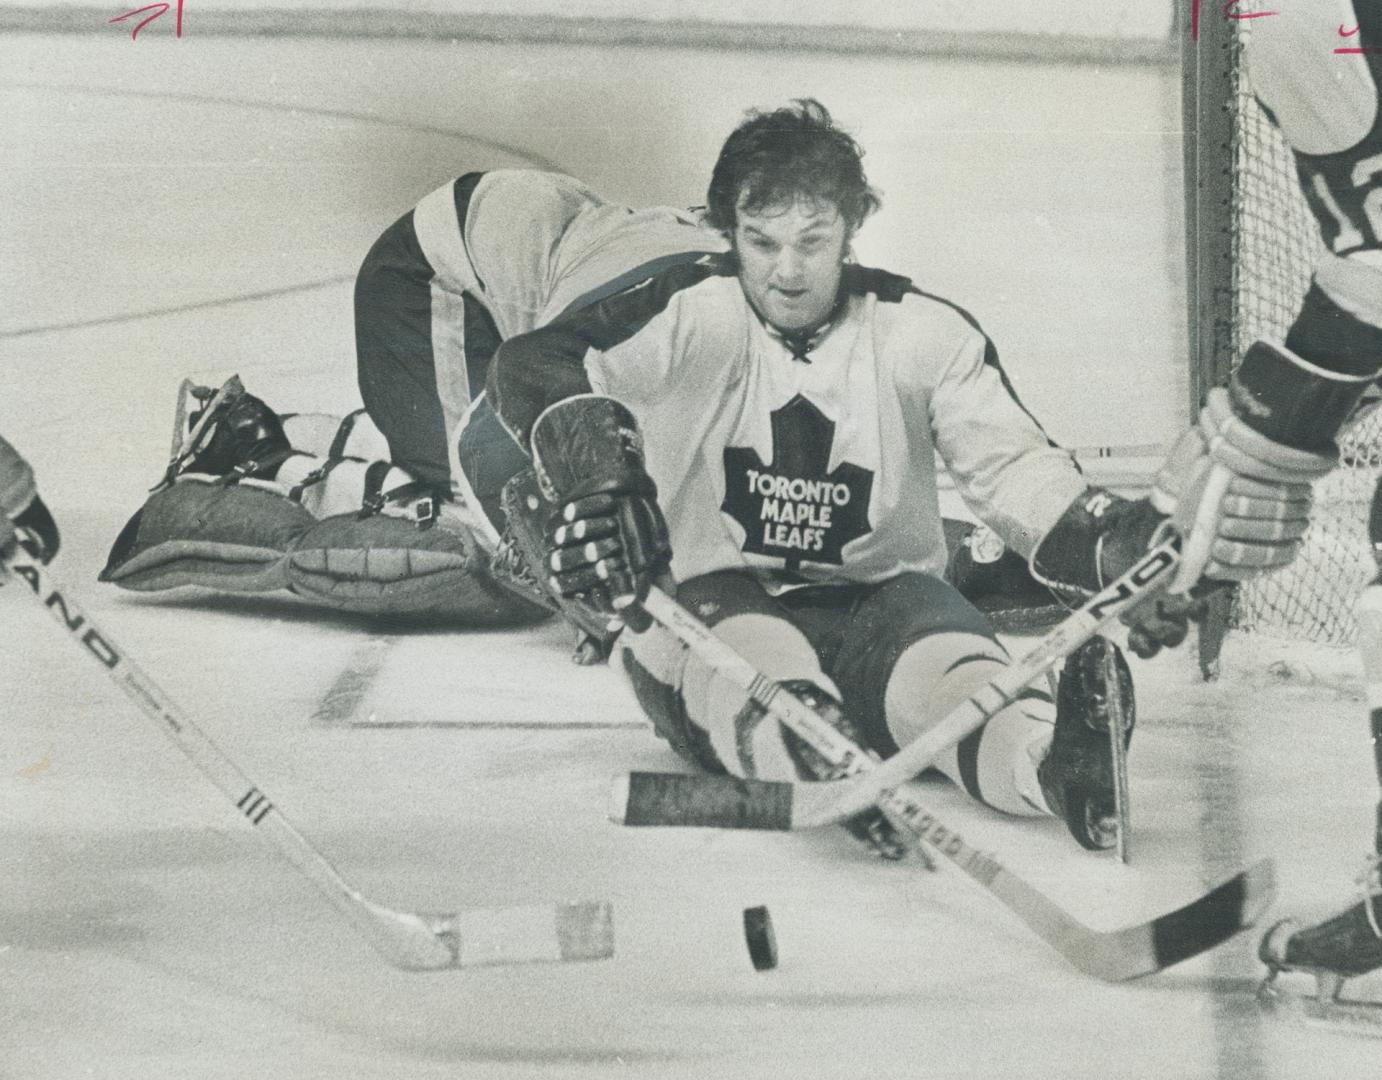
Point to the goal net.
(1252, 244)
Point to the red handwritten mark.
(157, 9)
(1229, 13)
(1346, 33)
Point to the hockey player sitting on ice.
(765, 427)
(24, 518)
(258, 501)
(385, 511)
(1275, 424)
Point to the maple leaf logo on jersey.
(790, 507)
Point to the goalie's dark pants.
(901, 654)
(420, 366)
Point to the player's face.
(790, 256)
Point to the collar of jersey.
(800, 343)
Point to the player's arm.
(1078, 538)
(608, 539)
(21, 505)
(1009, 472)
(1033, 495)
(1237, 485)
(1276, 422)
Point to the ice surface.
(199, 209)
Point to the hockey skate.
(1078, 775)
(1334, 950)
(871, 828)
(224, 432)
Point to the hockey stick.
(1118, 751)
(415, 942)
(768, 804)
(1114, 956)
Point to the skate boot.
(1077, 776)
(226, 433)
(871, 827)
(1342, 947)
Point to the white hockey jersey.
(535, 244)
(820, 466)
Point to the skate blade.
(1363, 1018)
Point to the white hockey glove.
(1237, 487)
(1240, 501)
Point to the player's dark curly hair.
(775, 157)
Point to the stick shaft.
(844, 799)
(1118, 748)
(248, 798)
(1112, 956)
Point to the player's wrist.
(586, 444)
(1289, 401)
(1098, 536)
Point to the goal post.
(1251, 244)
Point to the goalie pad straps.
(335, 454)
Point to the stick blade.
(492, 937)
(1215, 917)
(533, 934)
(717, 802)
(1202, 924)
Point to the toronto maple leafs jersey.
(802, 461)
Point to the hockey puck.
(758, 935)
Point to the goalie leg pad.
(395, 565)
(229, 537)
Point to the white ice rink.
(198, 208)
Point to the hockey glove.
(1238, 485)
(36, 531)
(1100, 536)
(21, 507)
(608, 539)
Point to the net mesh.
(1275, 245)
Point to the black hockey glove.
(608, 539)
(1100, 536)
(33, 530)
